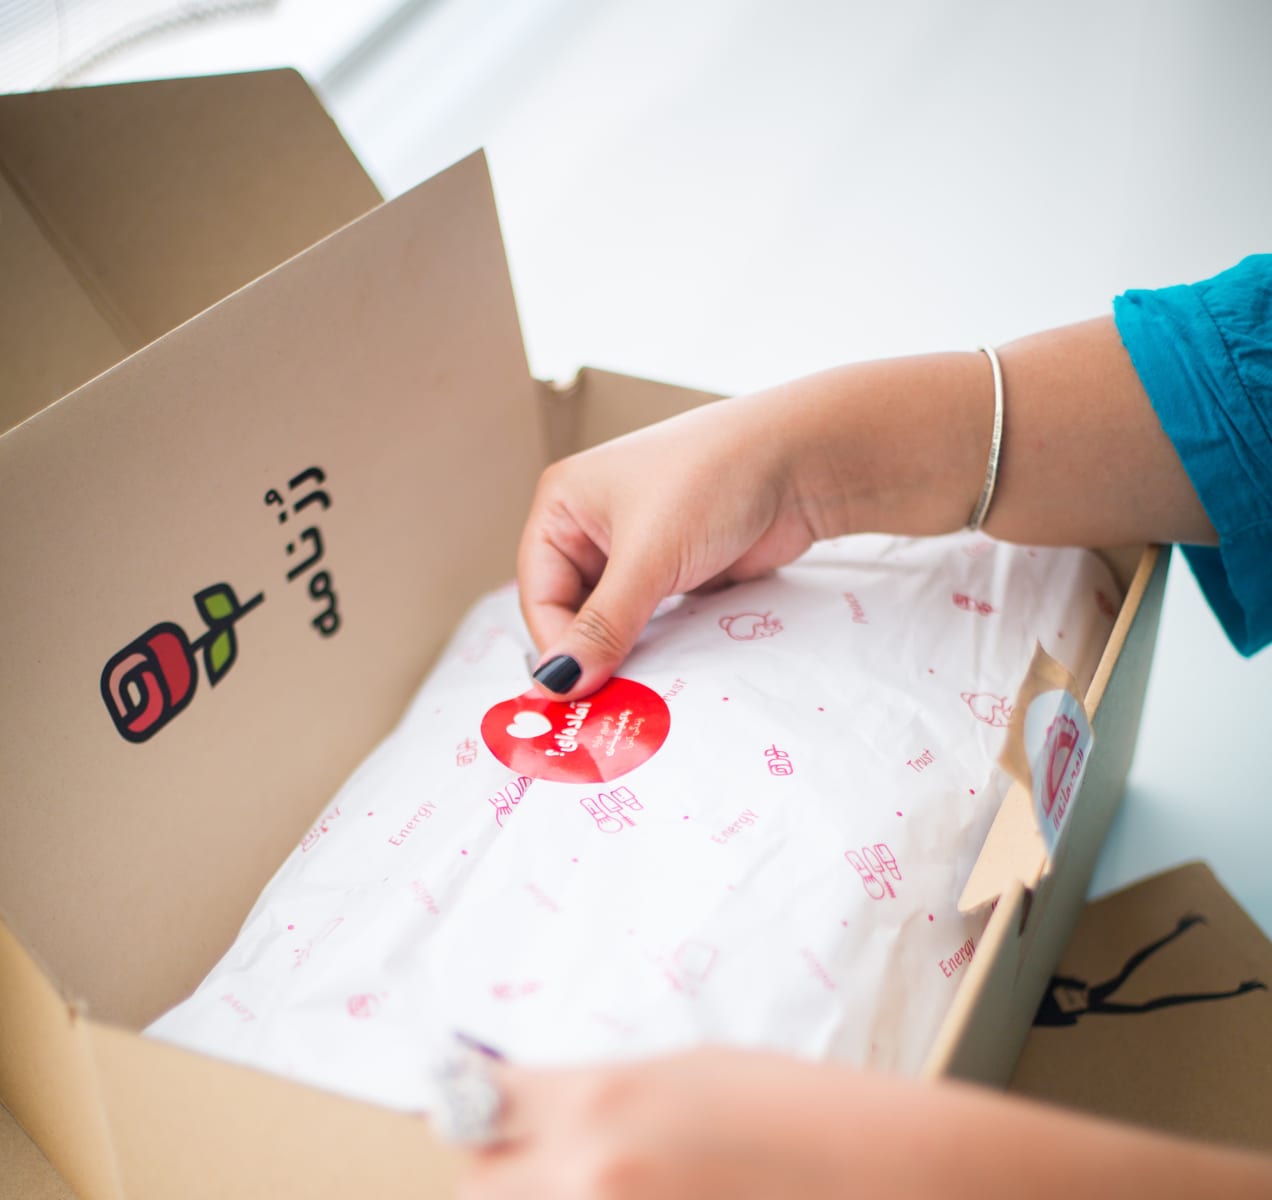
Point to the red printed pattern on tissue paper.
(611, 732)
(779, 761)
(363, 1007)
(959, 958)
(508, 797)
(967, 604)
(606, 809)
(690, 965)
(747, 626)
(985, 706)
(514, 991)
(875, 864)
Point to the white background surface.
(729, 192)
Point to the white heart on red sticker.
(593, 740)
(528, 724)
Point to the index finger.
(557, 568)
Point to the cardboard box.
(1160, 1013)
(230, 554)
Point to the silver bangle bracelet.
(995, 444)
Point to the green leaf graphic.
(220, 653)
(216, 604)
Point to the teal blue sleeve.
(1204, 354)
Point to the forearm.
(964, 1143)
(901, 446)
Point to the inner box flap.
(1014, 850)
(152, 201)
(228, 561)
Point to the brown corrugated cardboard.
(25, 1174)
(156, 201)
(319, 473)
(1160, 1012)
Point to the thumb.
(603, 631)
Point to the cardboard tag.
(1048, 743)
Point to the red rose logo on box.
(594, 740)
(153, 678)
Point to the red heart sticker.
(1064, 740)
(592, 740)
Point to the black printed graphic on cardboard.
(1068, 999)
(154, 677)
(306, 547)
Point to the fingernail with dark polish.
(559, 674)
(473, 1044)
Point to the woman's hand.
(710, 496)
(736, 488)
(744, 1125)
(696, 1126)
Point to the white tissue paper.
(756, 837)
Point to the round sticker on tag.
(1058, 741)
(593, 740)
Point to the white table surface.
(726, 193)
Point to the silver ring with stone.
(468, 1099)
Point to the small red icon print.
(302, 954)
(978, 549)
(967, 604)
(985, 706)
(1063, 739)
(606, 809)
(507, 798)
(779, 761)
(1105, 605)
(466, 753)
(691, 963)
(748, 626)
(310, 840)
(875, 864)
(363, 1007)
(595, 740)
(514, 991)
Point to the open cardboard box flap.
(128, 209)
(278, 509)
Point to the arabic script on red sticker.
(593, 740)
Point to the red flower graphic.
(154, 677)
(149, 681)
